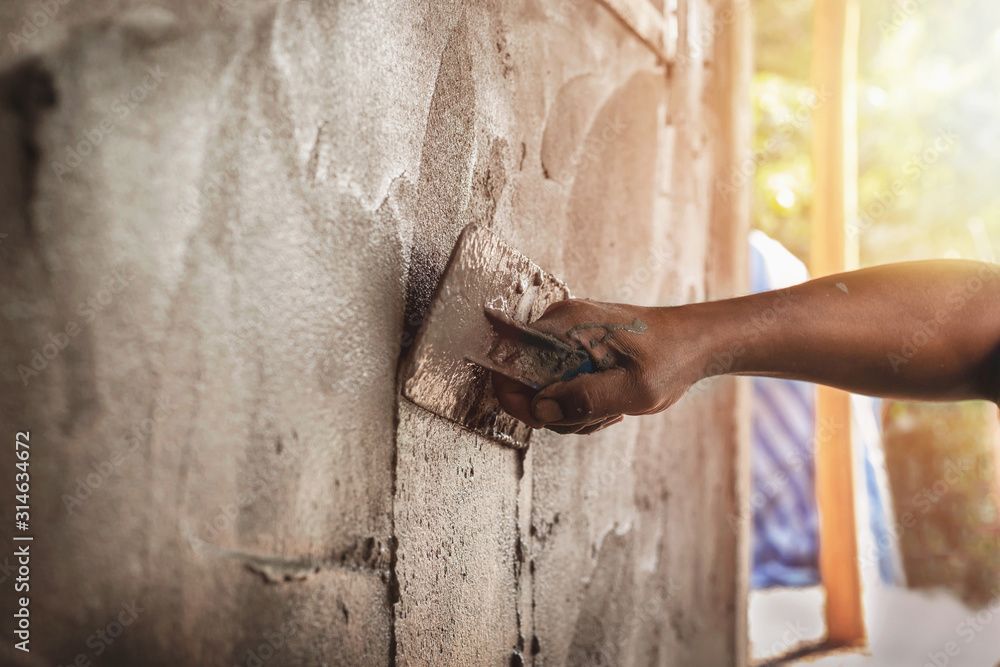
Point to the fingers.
(549, 329)
(515, 399)
(511, 329)
(584, 400)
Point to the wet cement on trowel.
(483, 272)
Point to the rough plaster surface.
(244, 214)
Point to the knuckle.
(555, 307)
(568, 309)
(559, 309)
(560, 320)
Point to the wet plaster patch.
(569, 121)
(456, 496)
(446, 167)
(615, 183)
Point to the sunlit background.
(928, 92)
(929, 128)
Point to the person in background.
(784, 513)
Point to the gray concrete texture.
(222, 223)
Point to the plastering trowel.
(487, 289)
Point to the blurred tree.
(783, 37)
(941, 460)
(927, 122)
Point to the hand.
(648, 364)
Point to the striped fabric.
(783, 502)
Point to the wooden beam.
(835, 206)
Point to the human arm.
(920, 330)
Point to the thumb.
(584, 399)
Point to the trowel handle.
(511, 328)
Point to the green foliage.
(927, 120)
(942, 467)
(782, 111)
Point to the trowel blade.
(483, 272)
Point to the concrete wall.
(222, 222)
